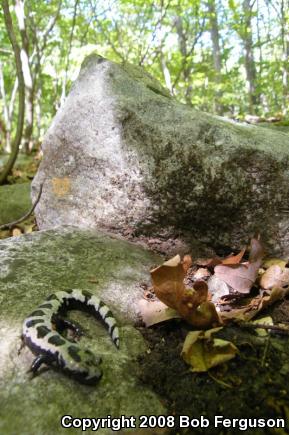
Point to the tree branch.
(21, 92)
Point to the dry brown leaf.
(153, 312)
(168, 281)
(204, 316)
(202, 351)
(234, 259)
(187, 262)
(276, 294)
(275, 276)
(191, 304)
(191, 299)
(236, 314)
(241, 277)
(256, 305)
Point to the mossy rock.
(36, 265)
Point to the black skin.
(62, 324)
(39, 360)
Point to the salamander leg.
(39, 360)
(22, 345)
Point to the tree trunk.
(166, 74)
(6, 123)
(186, 68)
(21, 93)
(65, 78)
(217, 58)
(250, 67)
(285, 56)
(29, 98)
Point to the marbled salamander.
(52, 348)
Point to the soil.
(255, 384)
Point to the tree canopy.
(224, 57)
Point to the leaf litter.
(211, 293)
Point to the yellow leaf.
(274, 261)
(202, 352)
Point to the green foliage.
(170, 38)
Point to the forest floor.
(255, 384)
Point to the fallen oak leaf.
(214, 261)
(168, 281)
(201, 351)
(234, 259)
(241, 277)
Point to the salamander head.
(82, 365)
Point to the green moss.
(15, 201)
(34, 266)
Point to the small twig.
(10, 225)
(219, 381)
(275, 328)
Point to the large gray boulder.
(122, 155)
(36, 265)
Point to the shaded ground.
(24, 168)
(253, 385)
